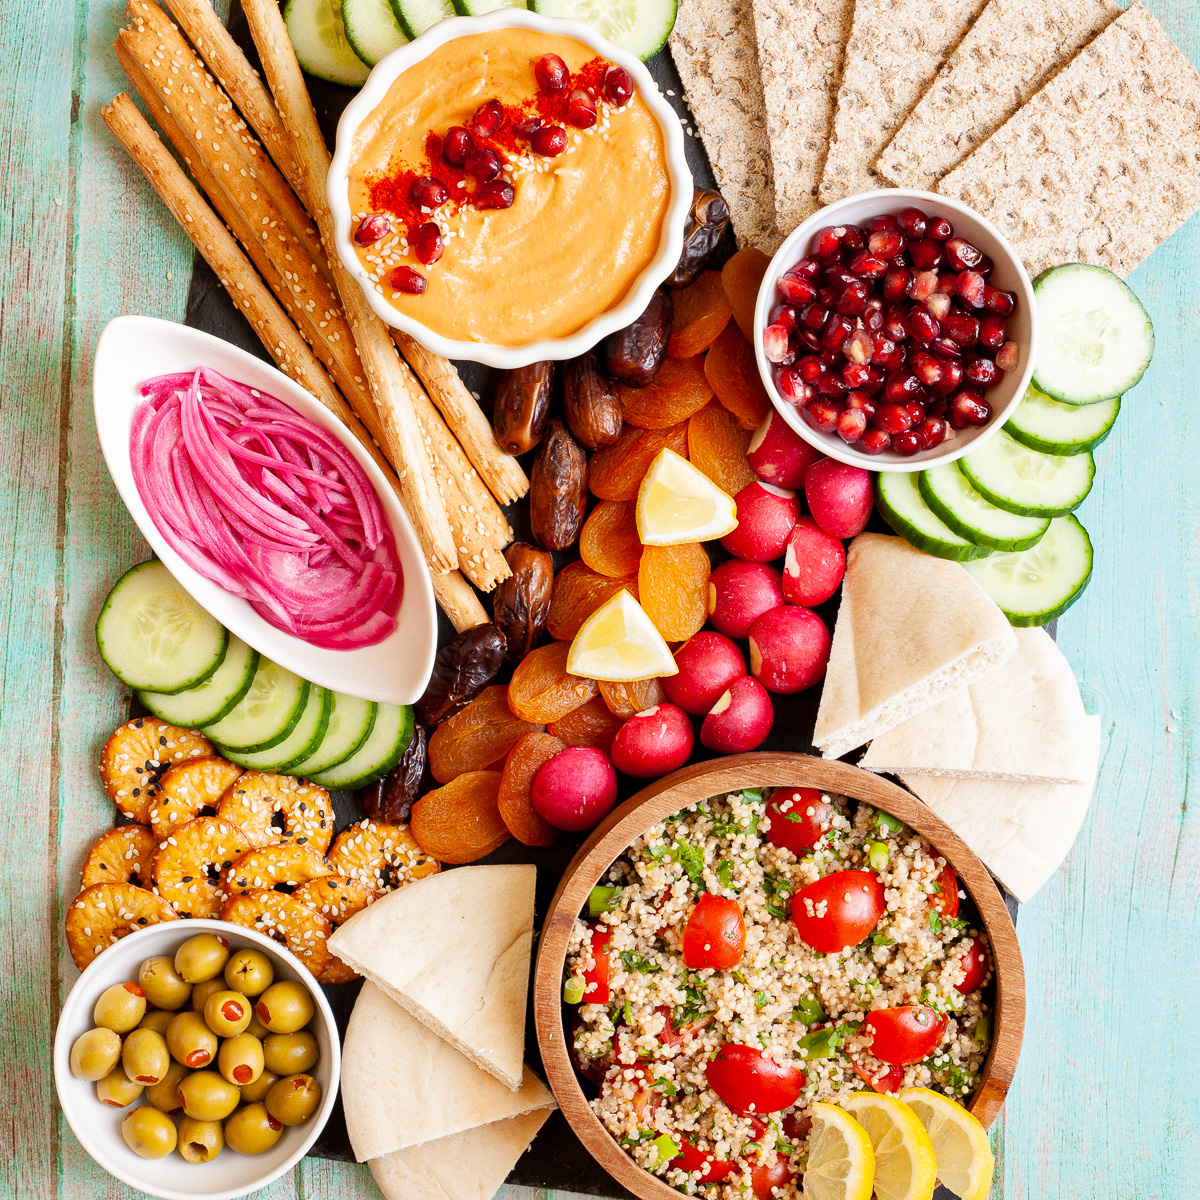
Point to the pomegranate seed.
(487, 118)
(428, 192)
(970, 288)
(880, 221)
(886, 243)
(831, 357)
(992, 332)
(924, 285)
(618, 87)
(549, 141)
(831, 387)
(811, 368)
(456, 145)
(853, 300)
(887, 354)
(851, 425)
(875, 441)
(827, 296)
(861, 400)
(872, 319)
(837, 330)
(827, 245)
(483, 165)
(962, 328)
(943, 347)
(795, 289)
(496, 194)
(867, 266)
(785, 315)
(895, 323)
(947, 281)
(810, 339)
(907, 444)
(581, 110)
(893, 418)
(923, 326)
(551, 74)
(853, 239)
(822, 415)
(926, 254)
(969, 408)
(792, 388)
(775, 343)
(405, 279)
(939, 229)
(931, 431)
(897, 283)
(961, 255)
(981, 371)
(527, 127)
(855, 374)
(371, 229)
(939, 305)
(912, 221)
(952, 377)
(806, 268)
(814, 316)
(427, 243)
(901, 387)
(996, 301)
(878, 378)
(928, 368)
(1008, 357)
(985, 266)
(859, 347)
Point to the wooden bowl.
(612, 837)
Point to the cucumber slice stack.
(640, 27)
(1028, 482)
(416, 16)
(1057, 428)
(212, 698)
(371, 29)
(964, 510)
(318, 35)
(904, 508)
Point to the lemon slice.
(677, 503)
(964, 1158)
(619, 643)
(905, 1166)
(841, 1163)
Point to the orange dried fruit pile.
(717, 445)
(678, 390)
(673, 587)
(477, 736)
(616, 472)
(461, 822)
(593, 723)
(541, 689)
(578, 592)
(609, 542)
(516, 787)
(733, 374)
(741, 277)
(625, 700)
(702, 310)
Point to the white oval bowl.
(1009, 274)
(133, 349)
(384, 74)
(98, 1128)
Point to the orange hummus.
(582, 226)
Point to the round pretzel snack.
(122, 855)
(106, 912)
(136, 756)
(274, 809)
(383, 857)
(301, 929)
(189, 865)
(187, 789)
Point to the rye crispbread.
(1102, 164)
(1011, 51)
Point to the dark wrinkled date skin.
(706, 225)
(557, 489)
(522, 406)
(634, 354)
(461, 670)
(521, 603)
(590, 403)
(392, 797)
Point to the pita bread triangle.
(911, 629)
(453, 949)
(1024, 722)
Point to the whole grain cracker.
(1014, 48)
(895, 51)
(800, 47)
(1103, 163)
(715, 53)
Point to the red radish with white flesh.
(840, 497)
(575, 788)
(708, 663)
(654, 742)
(739, 593)
(813, 564)
(789, 649)
(740, 720)
(766, 516)
(779, 455)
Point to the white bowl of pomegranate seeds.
(895, 330)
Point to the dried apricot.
(461, 822)
(476, 736)
(717, 445)
(609, 543)
(578, 592)
(733, 374)
(673, 586)
(625, 700)
(516, 783)
(591, 724)
(701, 311)
(741, 277)
(541, 690)
(615, 472)
(679, 389)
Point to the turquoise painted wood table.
(1105, 1100)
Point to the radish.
(575, 788)
(813, 564)
(740, 720)
(766, 515)
(840, 497)
(789, 649)
(779, 455)
(654, 742)
(739, 593)
(708, 664)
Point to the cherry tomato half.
(838, 911)
(747, 1080)
(712, 1170)
(595, 981)
(975, 962)
(946, 901)
(796, 1127)
(766, 1177)
(906, 1034)
(672, 1035)
(886, 1079)
(715, 934)
(799, 818)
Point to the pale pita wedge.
(403, 1086)
(1021, 831)
(453, 949)
(467, 1166)
(1022, 722)
(895, 51)
(911, 629)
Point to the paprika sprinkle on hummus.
(512, 186)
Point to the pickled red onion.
(267, 504)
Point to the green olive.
(290, 1053)
(120, 1007)
(158, 1019)
(294, 1099)
(256, 1027)
(285, 1007)
(202, 991)
(240, 1059)
(163, 985)
(252, 1093)
(164, 1095)
(252, 1129)
(94, 1054)
(207, 1097)
(149, 1133)
(145, 1056)
(190, 1040)
(200, 1141)
(117, 1090)
(249, 971)
(202, 957)
(227, 1013)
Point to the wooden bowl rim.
(763, 769)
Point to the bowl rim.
(764, 768)
(77, 999)
(790, 252)
(384, 74)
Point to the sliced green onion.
(665, 1148)
(888, 823)
(809, 1011)
(573, 989)
(877, 855)
(761, 999)
(603, 899)
(983, 1030)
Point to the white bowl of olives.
(196, 1059)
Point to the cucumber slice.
(298, 744)
(904, 509)
(1096, 339)
(212, 698)
(637, 26)
(1028, 482)
(1035, 586)
(1057, 428)
(371, 29)
(266, 714)
(350, 723)
(476, 8)
(153, 635)
(319, 39)
(955, 501)
(416, 16)
(381, 751)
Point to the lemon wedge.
(905, 1166)
(960, 1143)
(618, 643)
(677, 503)
(841, 1163)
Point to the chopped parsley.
(761, 999)
(881, 939)
(935, 920)
(809, 1011)
(824, 1043)
(633, 961)
(666, 1087)
(690, 858)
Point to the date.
(392, 797)
(706, 225)
(461, 670)
(590, 403)
(557, 489)
(634, 354)
(522, 406)
(521, 603)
